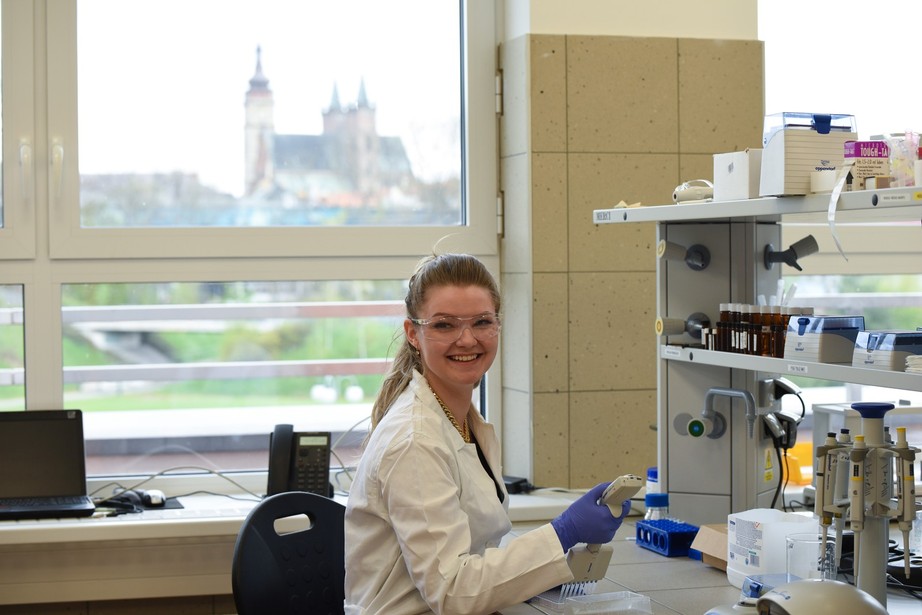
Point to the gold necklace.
(463, 430)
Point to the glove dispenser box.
(798, 144)
(886, 350)
(822, 339)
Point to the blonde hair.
(432, 271)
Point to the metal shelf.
(900, 203)
(823, 371)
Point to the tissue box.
(822, 339)
(871, 158)
(886, 350)
(797, 144)
(737, 175)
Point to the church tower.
(259, 130)
(353, 136)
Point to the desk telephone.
(299, 461)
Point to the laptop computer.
(43, 465)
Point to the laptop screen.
(42, 454)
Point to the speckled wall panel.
(551, 435)
(622, 94)
(696, 166)
(611, 433)
(550, 335)
(721, 95)
(600, 181)
(612, 338)
(549, 217)
(548, 94)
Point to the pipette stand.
(868, 502)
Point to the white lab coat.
(424, 522)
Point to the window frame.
(477, 235)
(63, 253)
(17, 234)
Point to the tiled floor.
(675, 585)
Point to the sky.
(848, 56)
(162, 83)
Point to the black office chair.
(298, 572)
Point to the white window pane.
(269, 113)
(12, 355)
(199, 373)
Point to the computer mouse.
(153, 497)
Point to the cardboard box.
(737, 175)
(870, 158)
(711, 542)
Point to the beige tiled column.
(589, 121)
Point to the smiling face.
(453, 369)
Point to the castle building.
(348, 165)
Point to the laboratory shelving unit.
(709, 477)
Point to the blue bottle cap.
(656, 500)
(652, 475)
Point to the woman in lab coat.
(428, 507)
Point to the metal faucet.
(746, 396)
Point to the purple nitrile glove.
(588, 521)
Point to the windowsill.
(203, 515)
(156, 553)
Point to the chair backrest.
(297, 572)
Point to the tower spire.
(363, 96)
(335, 105)
(259, 82)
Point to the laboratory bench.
(675, 585)
(179, 560)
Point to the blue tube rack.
(666, 536)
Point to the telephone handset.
(299, 461)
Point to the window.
(343, 155)
(819, 61)
(176, 374)
(11, 348)
(184, 307)
(294, 114)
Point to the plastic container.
(756, 541)
(620, 603)
(652, 485)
